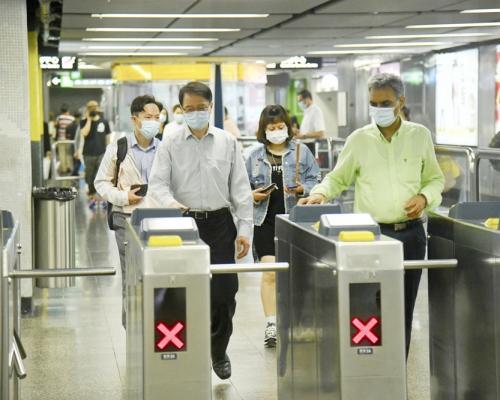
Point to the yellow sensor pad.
(492, 223)
(164, 241)
(356, 236)
(316, 226)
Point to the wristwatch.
(304, 136)
(425, 198)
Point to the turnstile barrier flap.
(186, 228)
(333, 224)
(312, 213)
(475, 210)
(140, 213)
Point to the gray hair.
(384, 80)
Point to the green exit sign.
(75, 75)
(66, 81)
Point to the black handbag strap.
(121, 153)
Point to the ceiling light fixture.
(132, 54)
(163, 29)
(428, 36)
(143, 47)
(416, 44)
(150, 40)
(464, 25)
(390, 51)
(481, 11)
(180, 15)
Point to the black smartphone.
(184, 212)
(142, 191)
(267, 189)
(292, 187)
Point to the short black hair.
(273, 114)
(197, 88)
(140, 102)
(77, 114)
(306, 94)
(64, 108)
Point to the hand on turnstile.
(313, 199)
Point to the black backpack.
(121, 153)
(495, 144)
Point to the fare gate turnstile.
(168, 306)
(340, 309)
(464, 312)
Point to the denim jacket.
(259, 173)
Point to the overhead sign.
(297, 62)
(66, 63)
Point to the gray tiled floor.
(76, 344)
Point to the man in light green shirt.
(397, 177)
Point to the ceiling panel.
(473, 4)
(86, 21)
(243, 23)
(255, 6)
(357, 6)
(220, 35)
(281, 43)
(348, 20)
(256, 52)
(386, 31)
(126, 6)
(283, 33)
(448, 18)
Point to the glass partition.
(488, 175)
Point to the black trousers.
(220, 234)
(414, 242)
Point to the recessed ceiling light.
(464, 25)
(416, 44)
(150, 39)
(132, 54)
(481, 11)
(180, 15)
(391, 51)
(144, 47)
(163, 30)
(428, 36)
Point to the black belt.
(401, 226)
(207, 214)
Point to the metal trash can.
(54, 230)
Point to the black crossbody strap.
(121, 153)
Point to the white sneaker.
(270, 335)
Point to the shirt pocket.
(221, 170)
(257, 181)
(412, 169)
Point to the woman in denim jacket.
(275, 162)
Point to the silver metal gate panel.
(464, 319)
(172, 374)
(315, 356)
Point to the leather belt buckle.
(400, 226)
(203, 215)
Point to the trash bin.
(54, 230)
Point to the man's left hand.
(415, 206)
(242, 246)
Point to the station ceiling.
(315, 28)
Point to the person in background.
(294, 121)
(313, 123)
(61, 123)
(229, 125)
(52, 126)
(397, 177)
(200, 168)
(405, 113)
(71, 131)
(177, 123)
(163, 122)
(275, 162)
(95, 131)
(135, 169)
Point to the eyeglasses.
(202, 107)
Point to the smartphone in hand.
(269, 188)
(142, 191)
(292, 187)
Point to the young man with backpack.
(126, 164)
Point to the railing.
(489, 175)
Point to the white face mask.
(383, 117)
(150, 129)
(277, 137)
(163, 118)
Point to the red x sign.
(170, 335)
(365, 330)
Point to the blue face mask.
(149, 128)
(302, 105)
(383, 116)
(197, 120)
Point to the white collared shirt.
(313, 120)
(206, 175)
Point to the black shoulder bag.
(121, 153)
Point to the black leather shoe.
(222, 368)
